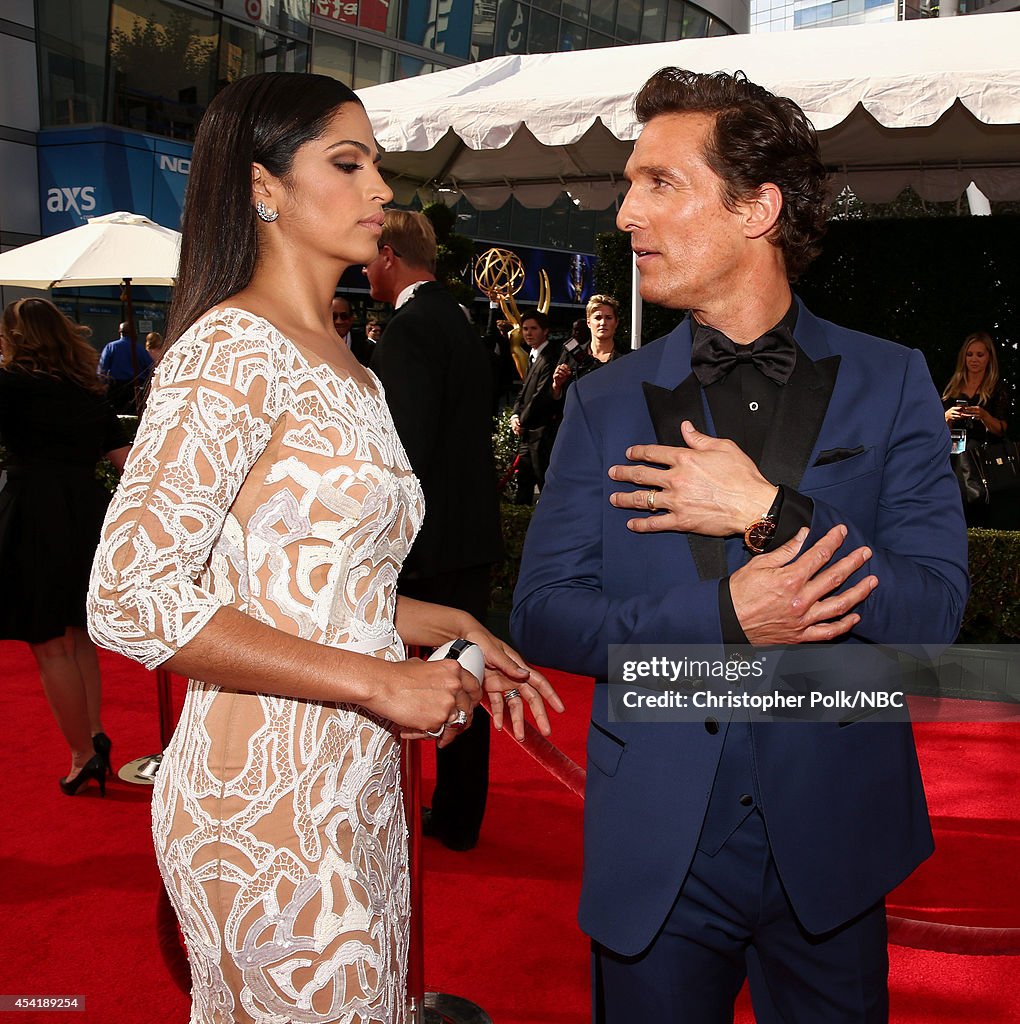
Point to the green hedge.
(504, 576)
(992, 614)
(993, 611)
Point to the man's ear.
(762, 210)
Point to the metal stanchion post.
(142, 770)
(425, 1007)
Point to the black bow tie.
(713, 356)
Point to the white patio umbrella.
(114, 249)
(108, 250)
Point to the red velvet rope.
(964, 940)
(551, 758)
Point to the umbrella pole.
(129, 319)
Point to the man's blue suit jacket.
(860, 429)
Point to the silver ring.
(650, 501)
(460, 720)
(510, 694)
(436, 733)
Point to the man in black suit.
(439, 389)
(343, 323)
(536, 413)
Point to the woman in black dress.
(975, 399)
(55, 425)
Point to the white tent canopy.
(933, 104)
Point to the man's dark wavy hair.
(758, 138)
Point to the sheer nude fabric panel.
(272, 485)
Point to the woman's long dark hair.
(259, 119)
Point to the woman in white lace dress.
(254, 546)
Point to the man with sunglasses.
(343, 323)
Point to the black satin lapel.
(799, 415)
(668, 409)
(528, 387)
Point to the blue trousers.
(732, 920)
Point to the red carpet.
(79, 883)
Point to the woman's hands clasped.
(422, 697)
(437, 699)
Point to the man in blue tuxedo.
(799, 491)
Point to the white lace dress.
(265, 483)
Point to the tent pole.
(635, 303)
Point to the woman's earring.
(265, 213)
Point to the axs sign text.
(77, 199)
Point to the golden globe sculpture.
(499, 273)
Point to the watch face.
(759, 534)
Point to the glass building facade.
(153, 65)
(783, 15)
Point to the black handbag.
(987, 471)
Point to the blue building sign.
(442, 25)
(86, 172)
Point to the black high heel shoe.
(102, 745)
(94, 769)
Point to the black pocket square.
(831, 455)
